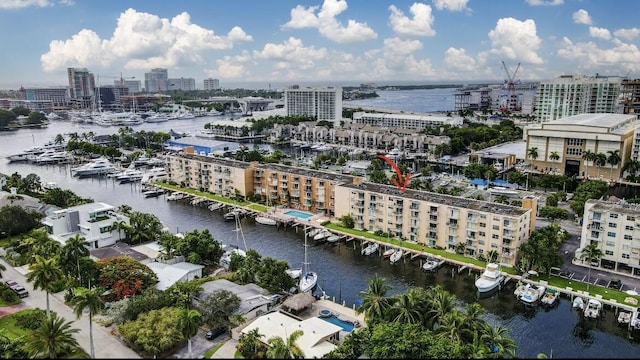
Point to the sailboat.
(309, 279)
(226, 257)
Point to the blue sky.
(286, 42)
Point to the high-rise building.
(82, 85)
(211, 84)
(571, 95)
(156, 80)
(185, 84)
(323, 103)
(134, 86)
(631, 96)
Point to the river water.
(343, 271)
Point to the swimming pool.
(298, 214)
(345, 325)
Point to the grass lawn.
(3, 302)
(606, 293)
(12, 330)
(205, 194)
(209, 353)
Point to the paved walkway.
(105, 344)
(6, 310)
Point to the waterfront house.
(169, 274)
(254, 300)
(93, 221)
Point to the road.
(105, 344)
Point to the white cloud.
(327, 24)
(515, 40)
(293, 57)
(628, 34)
(458, 60)
(545, 2)
(451, 5)
(141, 41)
(588, 58)
(19, 4)
(420, 25)
(230, 68)
(398, 60)
(582, 17)
(600, 33)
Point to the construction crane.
(511, 102)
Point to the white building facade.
(325, 104)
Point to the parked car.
(214, 333)
(17, 288)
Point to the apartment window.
(105, 229)
(631, 218)
(496, 218)
(613, 216)
(628, 227)
(628, 237)
(494, 245)
(481, 242)
(611, 234)
(495, 227)
(613, 225)
(482, 233)
(625, 256)
(608, 253)
(611, 243)
(483, 216)
(495, 236)
(483, 225)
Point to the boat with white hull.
(592, 310)
(490, 279)
(432, 264)
(396, 256)
(308, 279)
(532, 294)
(370, 249)
(265, 220)
(101, 166)
(154, 175)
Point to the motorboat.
(313, 232)
(370, 249)
(156, 118)
(265, 220)
(129, 175)
(387, 253)
(624, 317)
(532, 294)
(634, 323)
(101, 166)
(432, 264)
(152, 193)
(333, 238)
(578, 303)
(154, 175)
(216, 206)
(550, 297)
(175, 196)
(51, 157)
(308, 279)
(592, 310)
(322, 235)
(396, 256)
(234, 214)
(490, 279)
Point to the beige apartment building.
(437, 220)
(615, 226)
(432, 219)
(560, 145)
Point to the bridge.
(247, 104)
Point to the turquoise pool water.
(298, 214)
(345, 325)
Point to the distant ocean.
(421, 100)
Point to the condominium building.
(406, 121)
(614, 225)
(434, 220)
(322, 103)
(437, 220)
(94, 222)
(630, 96)
(569, 95)
(134, 86)
(184, 84)
(559, 146)
(211, 84)
(44, 98)
(157, 80)
(82, 85)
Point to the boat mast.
(239, 233)
(305, 264)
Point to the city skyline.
(329, 42)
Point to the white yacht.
(370, 249)
(532, 294)
(592, 310)
(432, 263)
(155, 174)
(101, 166)
(129, 175)
(490, 279)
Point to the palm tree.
(408, 307)
(84, 298)
(532, 153)
(600, 161)
(554, 156)
(440, 302)
(492, 256)
(281, 350)
(75, 248)
(613, 159)
(451, 326)
(632, 166)
(52, 339)
(587, 156)
(189, 322)
(499, 343)
(375, 304)
(591, 253)
(249, 343)
(119, 226)
(44, 273)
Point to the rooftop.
(436, 198)
(119, 249)
(597, 120)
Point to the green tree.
(189, 322)
(218, 307)
(154, 332)
(53, 339)
(89, 299)
(43, 273)
(500, 344)
(588, 156)
(347, 221)
(375, 304)
(613, 159)
(74, 248)
(600, 161)
(290, 350)
(591, 253)
(250, 344)
(532, 153)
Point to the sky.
(262, 44)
